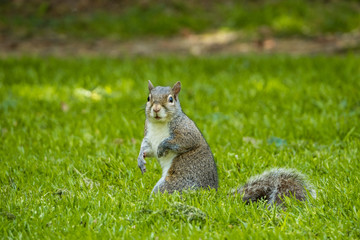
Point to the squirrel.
(187, 161)
(173, 138)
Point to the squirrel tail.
(272, 185)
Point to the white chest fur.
(156, 133)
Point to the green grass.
(167, 18)
(71, 130)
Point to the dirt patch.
(218, 43)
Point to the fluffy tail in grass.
(274, 184)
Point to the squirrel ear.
(150, 86)
(176, 88)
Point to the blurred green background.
(126, 19)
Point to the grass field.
(71, 130)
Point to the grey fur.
(272, 185)
(193, 165)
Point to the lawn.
(71, 131)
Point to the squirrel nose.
(156, 109)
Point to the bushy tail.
(272, 185)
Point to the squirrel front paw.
(162, 151)
(142, 162)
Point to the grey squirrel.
(187, 161)
(173, 138)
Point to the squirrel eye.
(148, 98)
(171, 99)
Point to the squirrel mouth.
(157, 117)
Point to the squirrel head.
(162, 103)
